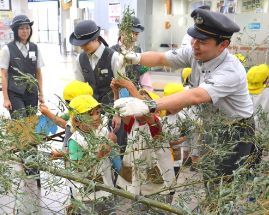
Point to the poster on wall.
(114, 12)
(226, 6)
(5, 5)
(255, 6)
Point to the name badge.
(31, 54)
(17, 58)
(104, 71)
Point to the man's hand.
(41, 99)
(129, 57)
(7, 104)
(116, 121)
(131, 106)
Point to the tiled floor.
(58, 71)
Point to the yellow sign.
(6, 15)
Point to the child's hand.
(44, 109)
(124, 83)
(56, 155)
(115, 86)
(112, 136)
(104, 150)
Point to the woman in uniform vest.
(136, 73)
(96, 65)
(25, 56)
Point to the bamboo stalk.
(65, 174)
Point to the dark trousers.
(20, 108)
(242, 149)
(21, 103)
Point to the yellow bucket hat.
(82, 104)
(172, 88)
(256, 76)
(153, 96)
(240, 57)
(76, 88)
(185, 73)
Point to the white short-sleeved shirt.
(5, 55)
(224, 79)
(94, 58)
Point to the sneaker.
(186, 162)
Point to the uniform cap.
(172, 88)
(82, 104)
(256, 77)
(185, 73)
(85, 31)
(136, 25)
(210, 24)
(19, 20)
(76, 88)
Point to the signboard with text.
(254, 25)
(252, 6)
(114, 12)
(5, 5)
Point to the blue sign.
(254, 26)
(41, 0)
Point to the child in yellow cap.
(257, 77)
(86, 143)
(242, 60)
(71, 90)
(169, 122)
(185, 75)
(170, 126)
(155, 172)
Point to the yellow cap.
(185, 73)
(153, 96)
(82, 104)
(172, 88)
(76, 88)
(240, 57)
(256, 76)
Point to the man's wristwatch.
(152, 106)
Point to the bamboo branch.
(66, 174)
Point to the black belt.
(245, 120)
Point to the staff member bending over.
(218, 78)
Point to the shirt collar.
(98, 53)
(211, 65)
(20, 45)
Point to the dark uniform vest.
(132, 72)
(25, 65)
(99, 78)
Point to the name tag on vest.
(17, 58)
(104, 71)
